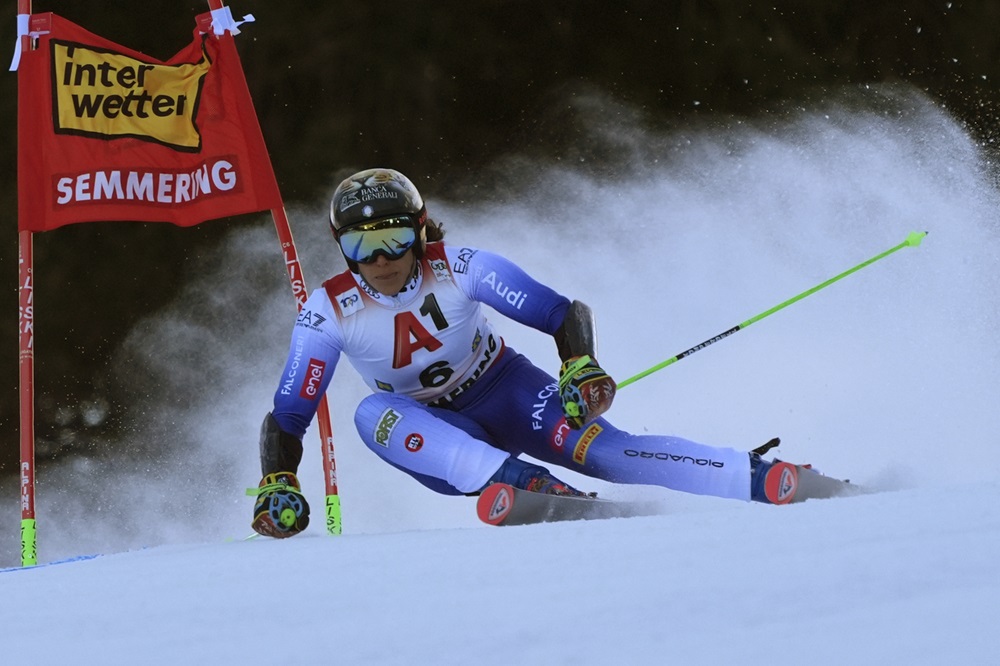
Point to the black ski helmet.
(374, 194)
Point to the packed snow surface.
(888, 377)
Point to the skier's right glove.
(281, 509)
(586, 391)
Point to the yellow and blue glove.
(281, 509)
(586, 391)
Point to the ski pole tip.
(913, 240)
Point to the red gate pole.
(29, 544)
(26, 366)
(299, 290)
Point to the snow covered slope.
(906, 577)
(888, 377)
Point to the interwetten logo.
(105, 95)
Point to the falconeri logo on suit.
(109, 95)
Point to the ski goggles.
(390, 237)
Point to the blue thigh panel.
(518, 405)
(446, 451)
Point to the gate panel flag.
(108, 133)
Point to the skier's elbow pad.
(577, 335)
(279, 451)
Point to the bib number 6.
(436, 374)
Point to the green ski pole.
(912, 240)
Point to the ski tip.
(495, 503)
(914, 238)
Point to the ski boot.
(533, 478)
(780, 482)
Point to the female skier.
(452, 405)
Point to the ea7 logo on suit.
(310, 319)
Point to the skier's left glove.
(585, 389)
(281, 509)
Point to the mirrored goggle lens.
(391, 237)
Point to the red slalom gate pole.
(300, 292)
(26, 364)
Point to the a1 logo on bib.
(414, 442)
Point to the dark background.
(441, 90)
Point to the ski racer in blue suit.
(451, 404)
